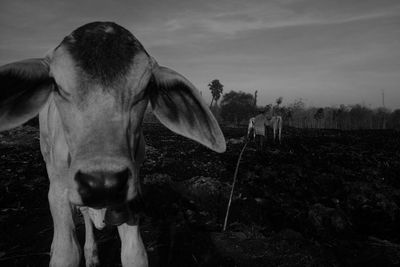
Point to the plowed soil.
(321, 198)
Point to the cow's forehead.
(104, 51)
(103, 55)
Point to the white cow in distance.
(275, 123)
(91, 93)
(250, 129)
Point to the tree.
(319, 115)
(216, 89)
(342, 118)
(276, 110)
(297, 113)
(382, 114)
(360, 117)
(237, 106)
(394, 119)
(298, 105)
(278, 101)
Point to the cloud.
(267, 15)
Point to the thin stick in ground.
(233, 187)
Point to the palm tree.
(216, 89)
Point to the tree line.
(236, 107)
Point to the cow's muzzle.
(103, 188)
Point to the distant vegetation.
(235, 108)
(297, 114)
(343, 117)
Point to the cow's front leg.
(133, 253)
(280, 134)
(274, 132)
(90, 248)
(65, 250)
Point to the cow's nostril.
(117, 181)
(102, 187)
(87, 181)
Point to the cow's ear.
(179, 106)
(24, 89)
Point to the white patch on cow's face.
(63, 70)
(101, 124)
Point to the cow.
(275, 123)
(251, 134)
(91, 93)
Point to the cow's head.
(101, 80)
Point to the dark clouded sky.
(326, 52)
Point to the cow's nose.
(102, 188)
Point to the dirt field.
(322, 198)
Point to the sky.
(325, 52)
